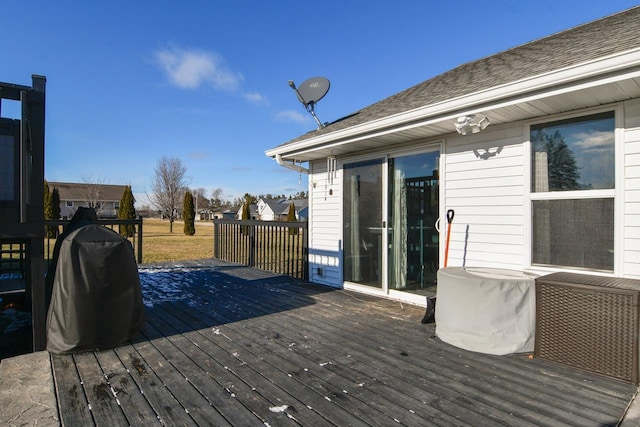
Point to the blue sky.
(206, 81)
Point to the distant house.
(277, 210)
(253, 211)
(302, 209)
(105, 199)
(225, 214)
(145, 212)
(208, 214)
(535, 148)
(205, 215)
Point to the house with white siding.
(278, 209)
(253, 211)
(535, 150)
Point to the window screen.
(573, 233)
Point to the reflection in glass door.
(362, 219)
(412, 214)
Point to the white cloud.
(595, 141)
(293, 116)
(198, 155)
(192, 68)
(255, 98)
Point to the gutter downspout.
(291, 166)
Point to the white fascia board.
(583, 71)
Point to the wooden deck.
(228, 345)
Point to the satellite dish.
(310, 92)
(313, 90)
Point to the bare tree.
(217, 200)
(200, 199)
(92, 191)
(168, 186)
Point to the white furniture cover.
(487, 310)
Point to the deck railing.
(14, 265)
(58, 226)
(15, 254)
(277, 246)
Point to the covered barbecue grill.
(96, 300)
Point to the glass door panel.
(412, 214)
(362, 219)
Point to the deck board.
(332, 338)
(318, 371)
(230, 345)
(243, 382)
(133, 404)
(102, 402)
(72, 402)
(346, 365)
(303, 390)
(162, 399)
(353, 339)
(210, 378)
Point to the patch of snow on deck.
(174, 283)
(15, 319)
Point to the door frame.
(382, 291)
(418, 148)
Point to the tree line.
(169, 190)
(170, 196)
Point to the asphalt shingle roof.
(612, 34)
(79, 191)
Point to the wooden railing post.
(216, 239)
(139, 240)
(252, 245)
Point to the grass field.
(158, 245)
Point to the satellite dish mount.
(310, 92)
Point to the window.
(572, 192)
(69, 203)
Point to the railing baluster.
(277, 246)
(108, 223)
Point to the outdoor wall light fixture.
(466, 125)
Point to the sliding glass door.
(362, 222)
(413, 210)
(390, 209)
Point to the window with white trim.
(573, 192)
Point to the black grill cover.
(96, 300)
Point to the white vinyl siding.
(631, 258)
(324, 226)
(484, 185)
(485, 179)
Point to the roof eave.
(617, 64)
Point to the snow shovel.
(450, 214)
